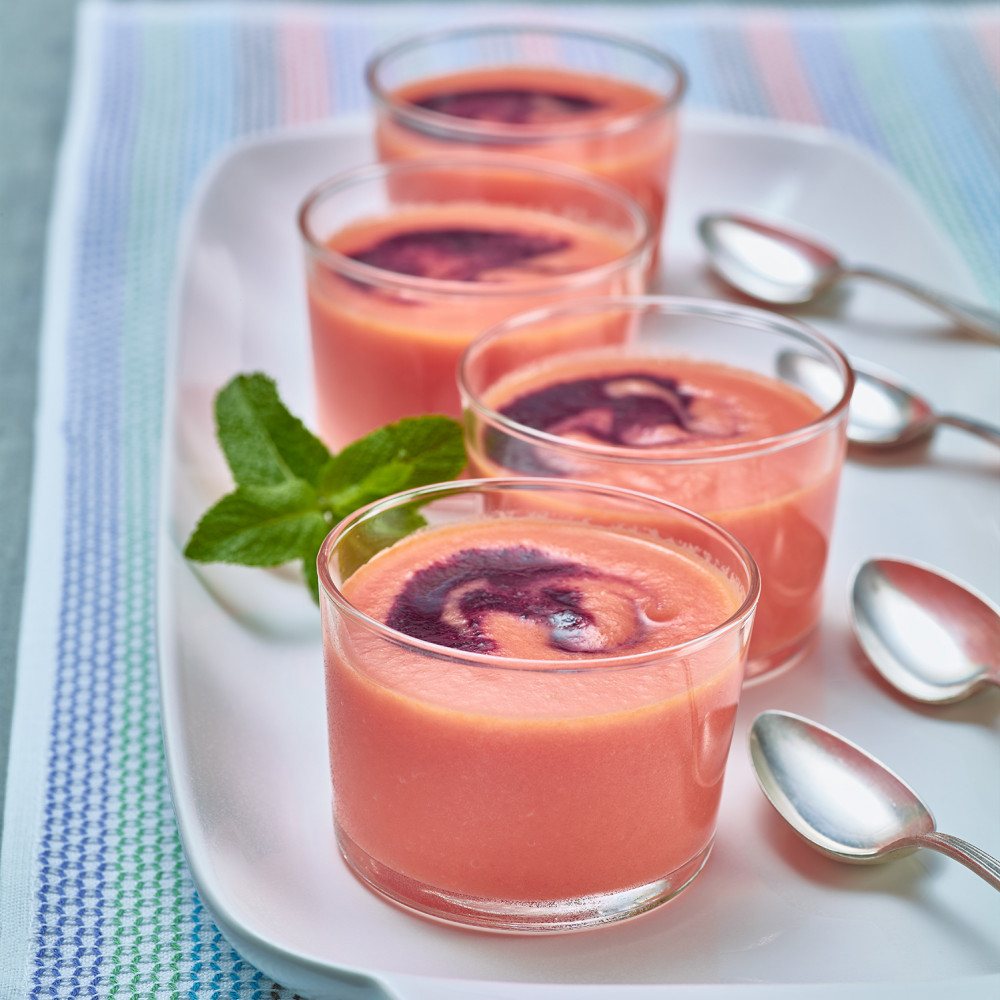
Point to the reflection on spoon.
(884, 414)
(773, 264)
(843, 801)
(926, 634)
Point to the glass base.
(517, 916)
(764, 668)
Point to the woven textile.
(96, 898)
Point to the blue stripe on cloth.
(739, 89)
(975, 84)
(900, 81)
(690, 43)
(958, 162)
(211, 107)
(347, 47)
(76, 861)
(835, 84)
(256, 86)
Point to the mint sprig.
(290, 490)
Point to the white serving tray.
(241, 675)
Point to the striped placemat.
(95, 897)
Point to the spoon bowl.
(775, 264)
(926, 633)
(767, 262)
(884, 414)
(843, 801)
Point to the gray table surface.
(35, 64)
(36, 55)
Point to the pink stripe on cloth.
(986, 21)
(776, 59)
(303, 73)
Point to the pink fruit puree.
(384, 351)
(778, 502)
(491, 774)
(595, 123)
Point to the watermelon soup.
(685, 409)
(531, 701)
(603, 104)
(407, 263)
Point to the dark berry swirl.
(629, 409)
(509, 105)
(446, 603)
(622, 409)
(456, 254)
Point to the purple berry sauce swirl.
(625, 409)
(446, 603)
(509, 105)
(456, 254)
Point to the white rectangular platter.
(241, 674)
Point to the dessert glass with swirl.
(604, 104)
(407, 262)
(683, 399)
(531, 692)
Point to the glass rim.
(371, 275)
(664, 454)
(445, 124)
(537, 484)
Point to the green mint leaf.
(263, 443)
(259, 525)
(290, 490)
(415, 452)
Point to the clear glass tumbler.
(531, 688)
(407, 262)
(605, 104)
(688, 400)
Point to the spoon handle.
(976, 319)
(988, 432)
(975, 859)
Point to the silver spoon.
(884, 413)
(926, 633)
(845, 802)
(773, 264)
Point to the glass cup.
(688, 400)
(407, 262)
(531, 688)
(604, 104)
